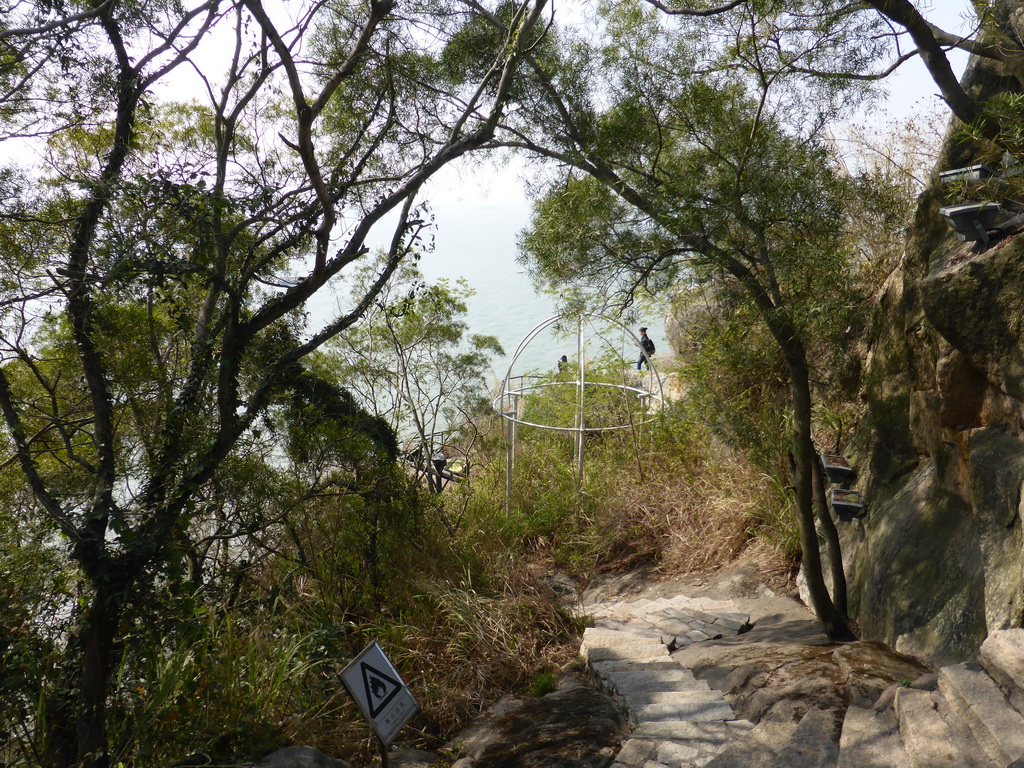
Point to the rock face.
(937, 564)
(574, 727)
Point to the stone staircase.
(677, 719)
(970, 719)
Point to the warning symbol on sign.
(380, 688)
(379, 692)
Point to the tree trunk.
(832, 620)
(835, 552)
(77, 724)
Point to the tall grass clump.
(666, 492)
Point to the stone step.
(649, 670)
(627, 607)
(928, 739)
(606, 668)
(692, 631)
(622, 653)
(699, 711)
(979, 702)
(651, 680)
(630, 688)
(623, 683)
(648, 698)
(668, 624)
(717, 732)
(870, 740)
(619, 611)
(722, 611)
(671, 753)
(658, 603)
(699, 618)
(639, 623)
(637, 752)
(962, 736)
(713, 618)
(601, 637)
(1002, 655)
(615, 624)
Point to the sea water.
(476, 222)
(479, 243)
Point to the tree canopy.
(159, 254)
(694, 166)
(182, 180)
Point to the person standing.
(646, 350)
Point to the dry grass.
(694, 515)
(459, 647)
(470, 647)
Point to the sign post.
(380, 694)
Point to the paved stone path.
(970, 718)
(678, 721)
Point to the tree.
(158, 257)
(677, 173)
(869, 41)
(413, 363)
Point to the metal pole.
(579, 404)
(384, 761)
(510, 457)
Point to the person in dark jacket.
(646, 350)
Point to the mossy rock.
(918, 582)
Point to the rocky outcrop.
(938, 563)
(780, 694)
(572, 727)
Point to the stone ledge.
(870, 740)
(1002, 655)
(978, 701)
(927, 738)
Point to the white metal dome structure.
(604, 391)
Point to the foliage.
(665, 493)
(722, 182)
(35, 589)
(158, 260)
(830, 52)
(414, 363)
(248, 662)
(735, 380)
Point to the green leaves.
(415, 361)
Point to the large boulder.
(573, 727)
(300, 757)
(939, 563)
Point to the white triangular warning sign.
(379, 687)
(379, 692)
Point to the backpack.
(648, 346)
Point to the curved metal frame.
(507, 403)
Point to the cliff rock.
(937, 564)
